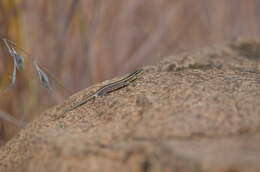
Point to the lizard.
(109, 88)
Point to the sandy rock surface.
(193, 112)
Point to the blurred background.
(83, 42)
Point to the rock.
(193, 112)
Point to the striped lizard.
(109, 88)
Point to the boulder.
(192, 112)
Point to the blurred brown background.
(83, 42)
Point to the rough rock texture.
(193, 112)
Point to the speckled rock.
(192, 112)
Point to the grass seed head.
(18, 59)
(43, 77)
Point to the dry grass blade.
(14, 74)
(11, 119)
(17, 64)
(13, 78)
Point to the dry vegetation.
(82, 42)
